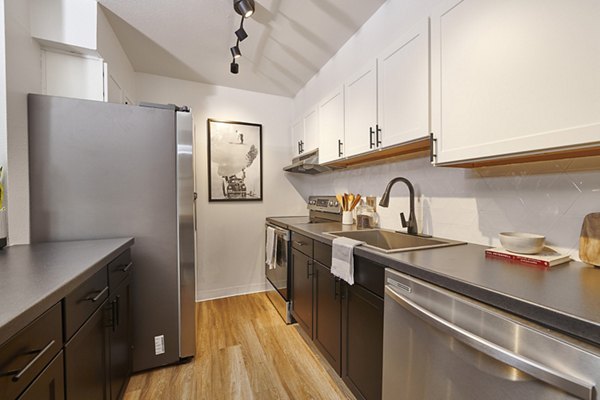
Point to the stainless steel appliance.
(321, 209)
(308, 163)
(441, 345)
(101, 170)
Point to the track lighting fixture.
(244, 7)
(235, 51)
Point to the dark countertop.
(35, 277)
(565, 297)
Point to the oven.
(321, 209)
(278, 273)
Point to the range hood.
(307, 164)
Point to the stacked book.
(546, 258)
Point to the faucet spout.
(411, 224)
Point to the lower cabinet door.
(86, 360)
(328, 315)
(120, 340)
(50, 384)
(362, 342)
(302, 291)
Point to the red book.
(546, 258)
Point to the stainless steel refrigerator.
(100, 170)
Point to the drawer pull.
(127, 267)
(300, 243)
(19, 375)
(98, 296)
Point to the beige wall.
(230, 242)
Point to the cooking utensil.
(355, 202)
(589, 241)
(340, 201)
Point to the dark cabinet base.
(362, 342)
(50, 384)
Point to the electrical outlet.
(159, 344)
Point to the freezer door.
(185, 220)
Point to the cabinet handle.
(432, 143)
(299, 243)
(118, 307)
(371, 133)
(378, 129)
(298, 147)
(339, 148)
(336, 282)
(302, 146)
(20, 374)
(309, 264)
(98, 296)
(127, 267)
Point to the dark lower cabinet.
(86, 359)
(50, 384)
(119, 332)
(362, 342)
(328, 314)
(302, 290)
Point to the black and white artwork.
(234, 161)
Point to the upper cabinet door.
(360, 100)
(311, 130)
(297, 137)
(403, 71)
(514, 76)
(331, 127)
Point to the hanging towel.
(342, 258)
(271, 248)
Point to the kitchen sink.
(395, 242)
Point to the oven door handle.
(570, 384)
(280, 232)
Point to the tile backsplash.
(550, 198)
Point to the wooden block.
(589, 241)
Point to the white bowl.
(523, 243)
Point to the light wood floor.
(244, 350)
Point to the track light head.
(234, 67)
(244, 7)
(235, 52)
(241, 34)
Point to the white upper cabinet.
(514, 76)
(360, 100)
(403, 77)
(331, 127)
(311, 131)
(297, 137)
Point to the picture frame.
(235, 165)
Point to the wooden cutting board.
(589, 241)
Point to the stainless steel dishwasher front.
(442, 345)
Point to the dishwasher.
(441, 345)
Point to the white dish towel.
(271, 248)
(342, 258)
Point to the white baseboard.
(212, 294)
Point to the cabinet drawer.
(322, 253)
(302, 243)
(119, 269)
(28, 352)
(82, 302)
(50, 385)
(369, 275)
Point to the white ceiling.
(289, 40)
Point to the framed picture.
(234, 161)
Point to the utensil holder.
(347, 218)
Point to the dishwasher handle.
(575, 386)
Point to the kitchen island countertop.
(35, 277)
(564, 297)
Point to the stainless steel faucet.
(411, 224)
